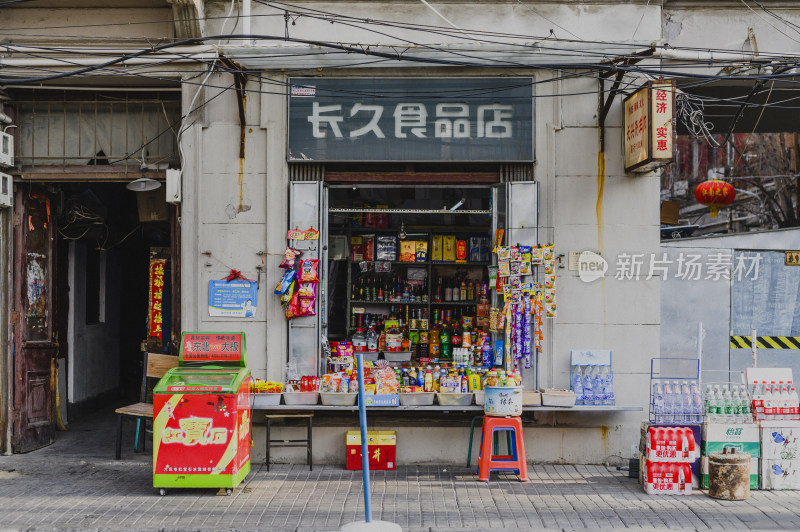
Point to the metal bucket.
(729, 475)
(503, 401)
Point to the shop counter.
(444, 409)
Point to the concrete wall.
(93, 359)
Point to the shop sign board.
(155, 312)
(232, 299)
(209, 347)
(410, 119)
(649, 127)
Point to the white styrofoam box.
(173, 186)
(780, 443)
(767, 374)
(6, 149)
(780, 474)
(779, 423)
(6, 190)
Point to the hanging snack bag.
(525, 253)
(308, 290)
(287, 296)
(525, 268)
(503, 253)
(514, 253)
(289, 258)
(537, 255)
(503, 268)
(293, 308)
(286, 282)
(308, 271)
(307, 306)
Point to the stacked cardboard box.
(743, 438)
(780, 452)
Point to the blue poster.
(235, 299)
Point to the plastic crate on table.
(671, 370)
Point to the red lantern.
(715, 193)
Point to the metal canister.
(729, 475)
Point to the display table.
(439, 408)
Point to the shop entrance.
(82, 300)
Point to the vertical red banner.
(154, 314)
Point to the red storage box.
(382, 445)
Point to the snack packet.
(286, 282)
(308, 290)
(308, 271)
(289, 258)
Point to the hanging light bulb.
(402, 235)
(143, 184)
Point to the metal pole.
(362, 418)
(754, 346)
(700, 334)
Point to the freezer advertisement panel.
(212, 347)
(200, 440)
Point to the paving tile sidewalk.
(76, 484)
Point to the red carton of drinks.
(668, 478)
(671, 444)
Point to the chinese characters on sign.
(206, 347)
(687, 267)
(405, 119)
(155, 315)
(649, 127)
(232, 299)
(195, 430)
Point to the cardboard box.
(408, 250)
(780, 443)
(704, 466)
(449, 248)
(780, 474)
(152, 206)
(669, 212)
(382, 446)
(742, 437)
(437, 248)
(356, 248)
(421, 251)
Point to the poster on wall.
(234, 299)
(155, 313)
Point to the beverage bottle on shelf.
(669, 403)
(420, 377)
(577, 385)
(471, 291)
(464, 382)
(686, 402)
(463, 295)
(728, 405)
(404, 380)
(448, 291)
(588, 386)
(769, 403)
(697, 403)
(610, 399)
(597, 387)
(657, 398)
(372, 340)
(707, 399)
(793, 402)
(785, 402)
(747, 416)
(359, 340)
(428, 380)
(456, 292)
(445, 351)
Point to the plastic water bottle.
(687, 402)
(769, 404)
(597, 386)
(577, 385)
(785, 404)
(718, 405)
(794, 403)
(697, 403)
(588, 388)
(747, 416)
(669, 403)
(608, 387)
(658, 401)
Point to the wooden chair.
(155, 366)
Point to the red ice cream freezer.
(201, 415)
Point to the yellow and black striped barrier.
(766, 342)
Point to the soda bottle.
(428, 381)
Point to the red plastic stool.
(487, 462)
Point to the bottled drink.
(747, 416)
(608, 391)
(597, 387)
(669, 403)
(359, 340)
(588, 386)
(658, 401)
(687, 408)
(697, 403)
(577, 385)
(769, 403)
(785, 403)
(729, 413)
(372, 340)
(794, 400)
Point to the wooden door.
(35, 343)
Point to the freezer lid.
(201, 380)
(218, 348)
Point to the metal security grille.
(85, 128)
(516, 172)
(306, 172)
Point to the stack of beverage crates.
(670, 452)
(776, 409)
